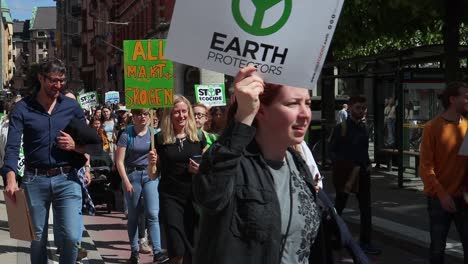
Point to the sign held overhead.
(287, 41)
(149, 77)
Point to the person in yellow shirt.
(443, 170)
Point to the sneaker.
(160, 257)
(134, 258)
(144, 247)
(371, 249)
(82, 253)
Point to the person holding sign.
(257, 195)
(178, 151)
(50, 177)
(200, 111)
(131, 162)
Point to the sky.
(21, 9)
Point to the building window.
(41, 34)
(41, 56)
(40, 45)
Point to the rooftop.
(45, 18)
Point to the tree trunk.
(451, 31)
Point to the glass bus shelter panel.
(421, 105)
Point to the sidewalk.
(399, 215)
(11, 250)
(16, 251)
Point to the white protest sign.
(87, 100)
(112, 97)
(287, 40)
(210, 95)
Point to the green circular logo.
(211, 91)
(261, 6)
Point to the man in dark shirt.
(49, 176)
(349, 151)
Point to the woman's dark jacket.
(240, 219)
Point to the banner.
(112, 97)
(210, 95)
(286, 40)
(149, 79)
(87, 100)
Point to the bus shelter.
(402, 90)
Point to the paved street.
(400, 220)
(109, 232)
(400, 225)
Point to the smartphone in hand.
(196, 158)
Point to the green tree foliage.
(368, 27)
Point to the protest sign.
(88, 100)
(210, 95)
(112, 97)
(286, 40)
(149, 79)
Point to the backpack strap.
(130, 136)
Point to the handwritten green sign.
(149, 77)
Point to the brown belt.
(50, 172)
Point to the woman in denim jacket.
(257, 196)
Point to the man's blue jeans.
(143, 186)
(439, 221)
(64, 193)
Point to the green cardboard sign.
(149, 77)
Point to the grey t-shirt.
(136, 153)
(305, 218)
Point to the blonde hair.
(168, 136)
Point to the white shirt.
(310, 161)
(342, 116)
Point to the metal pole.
(112, 45)
(399, 124)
